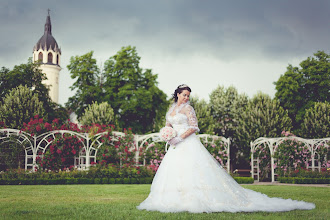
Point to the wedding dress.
(190, 179)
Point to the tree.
(97, 114)
(226, 108)
(299, 88)
(30, 75)
(87, 85)
(203, 112)
(316, 122)
(18, 106)
(263, 117)
(132, 92)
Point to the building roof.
(47, 41)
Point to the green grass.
(120, 201)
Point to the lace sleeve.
(192, 119)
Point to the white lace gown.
(190, 179)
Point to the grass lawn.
(119, 202)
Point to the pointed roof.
(47, 41)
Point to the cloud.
(175, 37)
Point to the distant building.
(48, 53)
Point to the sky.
(247, 44)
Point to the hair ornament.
(183, 86)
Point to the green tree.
(97, 114)
(263, 117)
(132, 92)
(226, 108)
(299, 88)
(18, 106)
(317, 121)
(30, 75)
(87, 85)
(203, 112)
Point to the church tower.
(48, 54)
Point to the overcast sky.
(202, 43)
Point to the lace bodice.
(184, 118)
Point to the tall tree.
(97, 114)
(317, 121)
(203, 113)
(87, 85)
(30, 75)
(263, 117)
(20, 105)
(299, 88)
(132, 92)
(226, 108)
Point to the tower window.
(50, 57)
(57, 59)
(40, 57)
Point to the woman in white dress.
(190, 179)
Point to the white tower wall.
(48, 54)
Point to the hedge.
(82, 180)
(40, 181)
(302, 180)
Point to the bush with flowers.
(116, 149)
(290, 156)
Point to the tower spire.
(48, 25)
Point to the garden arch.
(35, 146)
(22, 138)
(273, 143)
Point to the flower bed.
(98, 174)
(304, 176)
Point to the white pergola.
(272, 144)
(36, 145)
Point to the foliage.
(97, 114)
(12, 155)
(290, 156)
(203, 112)
(30, 75)
(132, 92)
(96, 174)
(18, 106)
(316, 122)
(61, 152)
(302, 172)
(117, 150)
(87, 85)
(299, 88)
(263, 117)
(305, 176)
(226, 108)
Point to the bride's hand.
(175, 141)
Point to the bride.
(190, 179)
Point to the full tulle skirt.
(190, 179)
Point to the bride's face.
(183, 97)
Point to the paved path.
(287, 184)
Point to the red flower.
(59, 151)
(74, 151)
(38, 128)
(36, 116)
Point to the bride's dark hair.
(179, 89)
